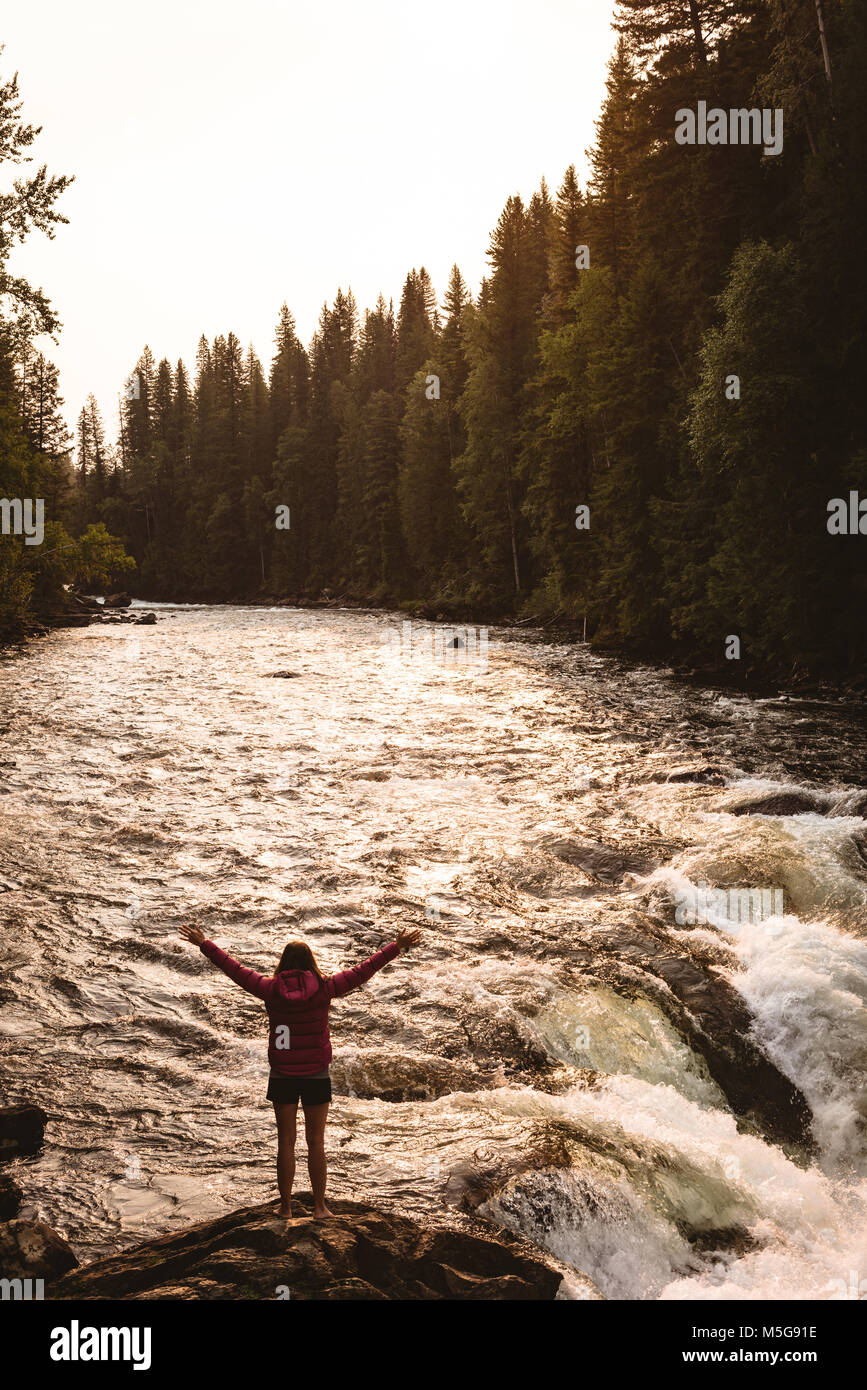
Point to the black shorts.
(310, 1090)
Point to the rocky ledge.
(360, 1253)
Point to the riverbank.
(78, 610)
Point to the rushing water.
(536, 1059)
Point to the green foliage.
(99, 559)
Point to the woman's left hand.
(193, 933)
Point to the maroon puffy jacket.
(299, 1043)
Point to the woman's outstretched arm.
(347, 980)
(250, 980)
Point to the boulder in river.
(793, 803)
(475, 1180)
(704, 776)
(850, 804)
(146, 619)
(361, 1253)
(116, 601)
(21, 1129)
(30, 1249)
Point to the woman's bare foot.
(320, 1211)
(285, 1209)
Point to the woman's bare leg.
(285, 1117)
(315, 1117)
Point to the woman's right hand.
(406, 938)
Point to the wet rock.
(544, 1201)
(474, 1181)
(32, 1249)
(854, 854)
(563, 1078)
(116, 601)
(10, 1197)
(704, 776)
(717, 1024)
(284, 675)
(850, 804)
(362, 1253)
(21, 1129)
(146, 620)
(734, 1240)
(794, 803)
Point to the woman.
(298, 998)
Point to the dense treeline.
(439, 452)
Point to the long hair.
(297, 955)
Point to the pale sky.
(229, 156)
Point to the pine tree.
(568, 233)
(416, 332)
(611, 164)
(289, 379)
(332, 356)
(45, 427)
(93, 454)
(381, 549)
(658, 31)
(502, 343)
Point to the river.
(670, 1100)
